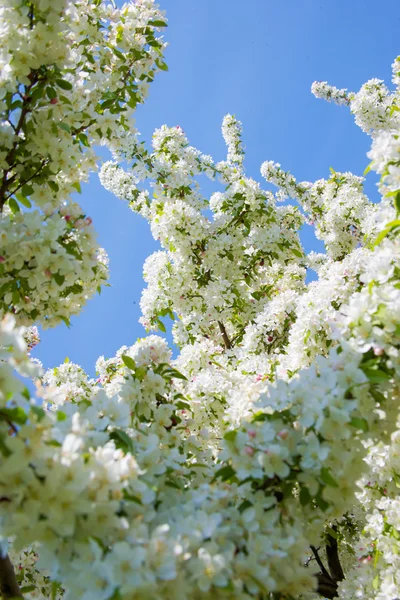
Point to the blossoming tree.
(263, 461)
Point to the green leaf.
(15, 415)
(230, 436)
(27, 190)
(24, 201)
(64, 127)
(54, 589)
(161, 326)
(183, 405)
(161, 64)
(51, 93)
(61, 416)
(225, 473)
(359, 424)
(5, 288)
(13, 204)
(65, 85)
(66, 321)
(128, 362)
(39, 412)
(53, 185)
(28, 588)
(376, 375)
(394, 224)
(173, 484)
(84, 140)
(397, 202)
(5, 451)
(175, 374)
(108, 103)
(305, 496)
(327, 478)
(245, 504)
(332, 532)
(131, 498)
(59, 279)
(158, 23)
(117, 52)
(368, 168)
(122, 440)
(260, 416)
(25, 393)
(297, 253)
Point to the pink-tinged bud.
(379, 351)
(249, 450)
(48, 273)
(54, 101)
(2, 259)
(252, 433)
(270, 338)
(67, 217)
(88, 220)
(259, 377)
(283, 434)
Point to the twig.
(225, 337)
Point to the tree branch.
(319, 561)
(332, 556)
(9, 587)
(327, 588)
(327, 584)
(227, 341)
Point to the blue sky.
(257, 60)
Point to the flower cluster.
(51, 264)
(275, 430)
(72, 74)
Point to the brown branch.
(327, 588)
(332, 556)
(9, 159)
(327, 584)
(227, 341)
(319, 561)
(44, 163)
(9, 587)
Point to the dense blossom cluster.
(71, 75)
(275, 431)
